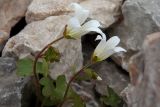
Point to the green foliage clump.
(111, 99)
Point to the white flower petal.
(106, 49)
(99, 78)
(91, 23)
(73, 23)
(112, 42)
(119, 49)
(81, 13)
(74, 6)
(98, 38)
(82, 16)
(80, 31)
(100, 48)
(109, 47)
(107, 53)
(96, 30)
(75, 33)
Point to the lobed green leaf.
(24, 67)
(61, 86)
(52, 55)
(90, 73)
(112, 99)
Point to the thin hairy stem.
(71, 80)
(36, 79)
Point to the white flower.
(77, 27)
(100, 38)
(106, 48)
(99, 78)
(79, 12)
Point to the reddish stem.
(70, 81)
(36, 79)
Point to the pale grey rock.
(11, 11)
(140, 18)
(85, 90)
(10, 84)
(7, 66)
(145, 93)
(105, 11)
(112, 76)
(41, 9)
(38, 34)
(136, 67)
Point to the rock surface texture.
(41, 9)
(112, 76)
(38, 34)
(145, 93)
(10, 84)
(105, 11)
(140, 18)
(11, 11)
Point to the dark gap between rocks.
(0, 53)
(18, 27)
(28, 95)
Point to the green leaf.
(90, 73)
(45, 81)
(47, 91)
(39, 67)
(48, 102)
(48, 86)
(112, 99)
(43, 68)
(61, 86)
(54, 92)
(77, 101)
(61, 83)
(52, 54)
(24, 67)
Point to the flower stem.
(36, 79)
(71, 80)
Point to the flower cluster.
(77, 27)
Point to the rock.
(85, 90)
(140, 18)
(126, 94)
(146, 92)
(3, 37)
(38, 34)
(41, 9)
(136, 67)
(111, 76)
(105, 11)
(7, 66)
(10, 84)
(10, 13)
